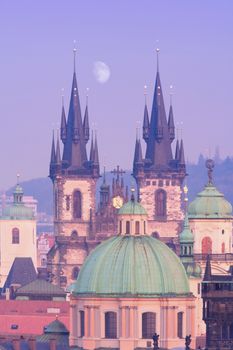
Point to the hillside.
(41, 188)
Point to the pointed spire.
(96, 152)
(52, 159)
(158, 151)
(58, 153)
(63, 123)
(177, 152)
(146, 123)
(181, 157)
(74, 153)
(207, 274)
(92, 148)
(86, 129)
(53, 153)
(171, 125)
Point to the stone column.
(86, 321)
(131, 322)
(123, 322)
(92, 321)
(73, 321)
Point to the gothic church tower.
(160, 175)
(74, 178)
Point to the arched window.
(43, 262)
(111, 325)
(75, 273)
(155, 234)
(15, 235)
(82, 323)
(180, 324)
(137, 228)
(223, 248)
(148, 324)
(127, 228)
(160, 204)
(77, 205)
(74, 234)
(206, 245)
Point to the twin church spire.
(158, 133)
(74, 134)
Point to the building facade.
(17, 234)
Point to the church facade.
(79, 224)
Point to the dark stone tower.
(217, 295)
(74, 180)
(159, 175)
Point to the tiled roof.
(41, 287)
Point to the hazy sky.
(195, 38)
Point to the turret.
(52, 160)
(146, 124)
(171, 125)
(63, 125)
(86, 129)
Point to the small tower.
(159, 175)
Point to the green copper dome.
(132, 208)
(126, 266)
(210, 204)
(17, 211)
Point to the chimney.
(16, 344)
(32, 343)
(52, 344)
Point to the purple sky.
(36, 41)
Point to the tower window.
(137, 228)
(127, 229)
(180, 325)
(148, 324)
(111, 325)
(75, 273)
(77, 205)
(15, 235)
(82, 323)
(160, 204)
(74, 235)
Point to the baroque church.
(79, 224)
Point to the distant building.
(217, 295)
(45, 242)
(17, 234)
(210, 219)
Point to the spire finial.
(74, 52)
(18, 176)
(157, 53)
(171, 94)
(132, 194)
(137, 129)
(62, 96)
(210, 166)
(185, 189)
(87, 92)
(145, 94)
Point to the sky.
(36, 62)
